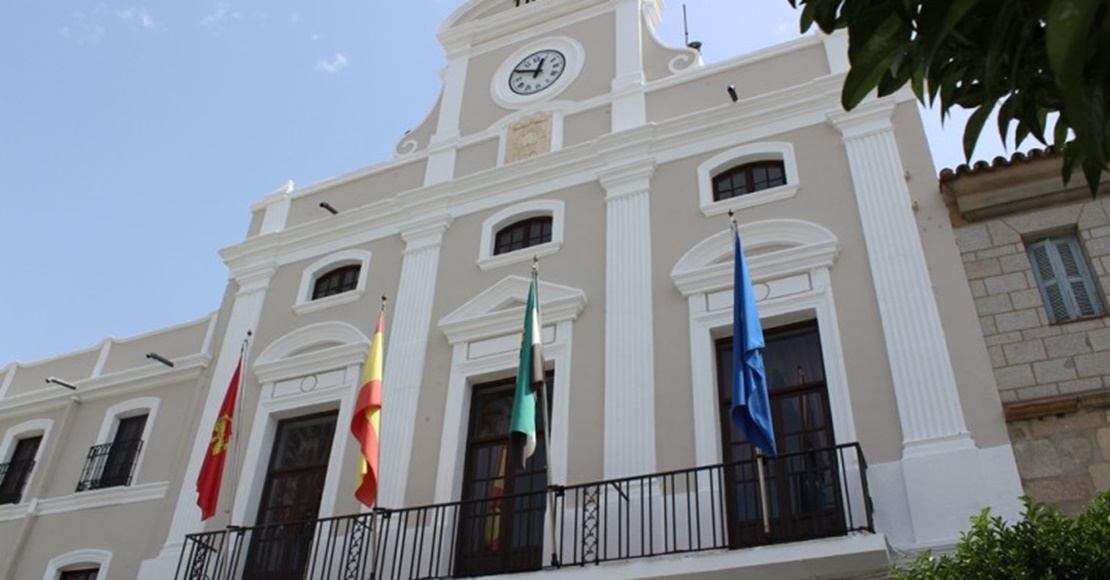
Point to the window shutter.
(1048, 282)
(1079, 280)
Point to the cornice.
(871, 116)
(683, 136)
(144, 378)
(763, 268)
(102, 498)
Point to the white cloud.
(295, 18)
(139, 16)
(81, 31)
(317, 36)
(223, 12)
(334, 65)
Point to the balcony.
(110, 465)
(13, 478)
(810, 495)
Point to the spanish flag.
(367, 419)
(212, 470)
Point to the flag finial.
(384, 300)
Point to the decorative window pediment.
(774, 249)
(499, 310)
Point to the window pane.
(523, 234)
(336, 281)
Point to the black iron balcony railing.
(110, 465)
(13, 478)
(814, 494)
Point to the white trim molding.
(764, 151)
(487, 260)
(306, 304)
(72, 560)
(485, 336)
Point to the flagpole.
(374, 508)
(239, 414)
(546, 420)
(759, 459)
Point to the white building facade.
(565, 131)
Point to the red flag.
(367, 418)
(212, 471)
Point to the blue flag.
(751, 411)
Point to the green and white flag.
(529, 376)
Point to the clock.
(537, 71)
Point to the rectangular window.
(15, 474)
(1064, 279)
(113, 464)
(803, 483)
(502, 517)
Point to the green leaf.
(974, 127)
(884, 36)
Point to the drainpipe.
(50, 463)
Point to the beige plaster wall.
(357, 192)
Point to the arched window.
(748, 178)
(535, 225)
(338, 278)
(523, 234)
(337, 281)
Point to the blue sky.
(135, 135)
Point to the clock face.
(537, 71)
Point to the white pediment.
(773, 249)
(311, 349)
(499, 309)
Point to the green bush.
(1044, 545)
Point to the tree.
(1045, 544)
(1036, 61)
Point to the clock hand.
(534, 71)
(539, 68)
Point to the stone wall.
(1054, 379)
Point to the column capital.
(869, 117)
(425, 231)
(627, 179)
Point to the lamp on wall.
(61, 383)
(732, 93)
(328, 207)
(159, 358)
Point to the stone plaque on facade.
(528, 137)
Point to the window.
(1064, 279)
(337, 281)
(748, 178)
(523, 234)
(113, 464)
(533, 225)
(291, 497)
(803, 482)
(15, 473)
(83, 574)
(498, 536)
(338, 278)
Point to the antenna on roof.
(686, 32)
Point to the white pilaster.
(276, 205)
(629, 104)
(629, 342)
(405, 351)
(946, 477)
(924, 383)
(442, 149)
(245, 313)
